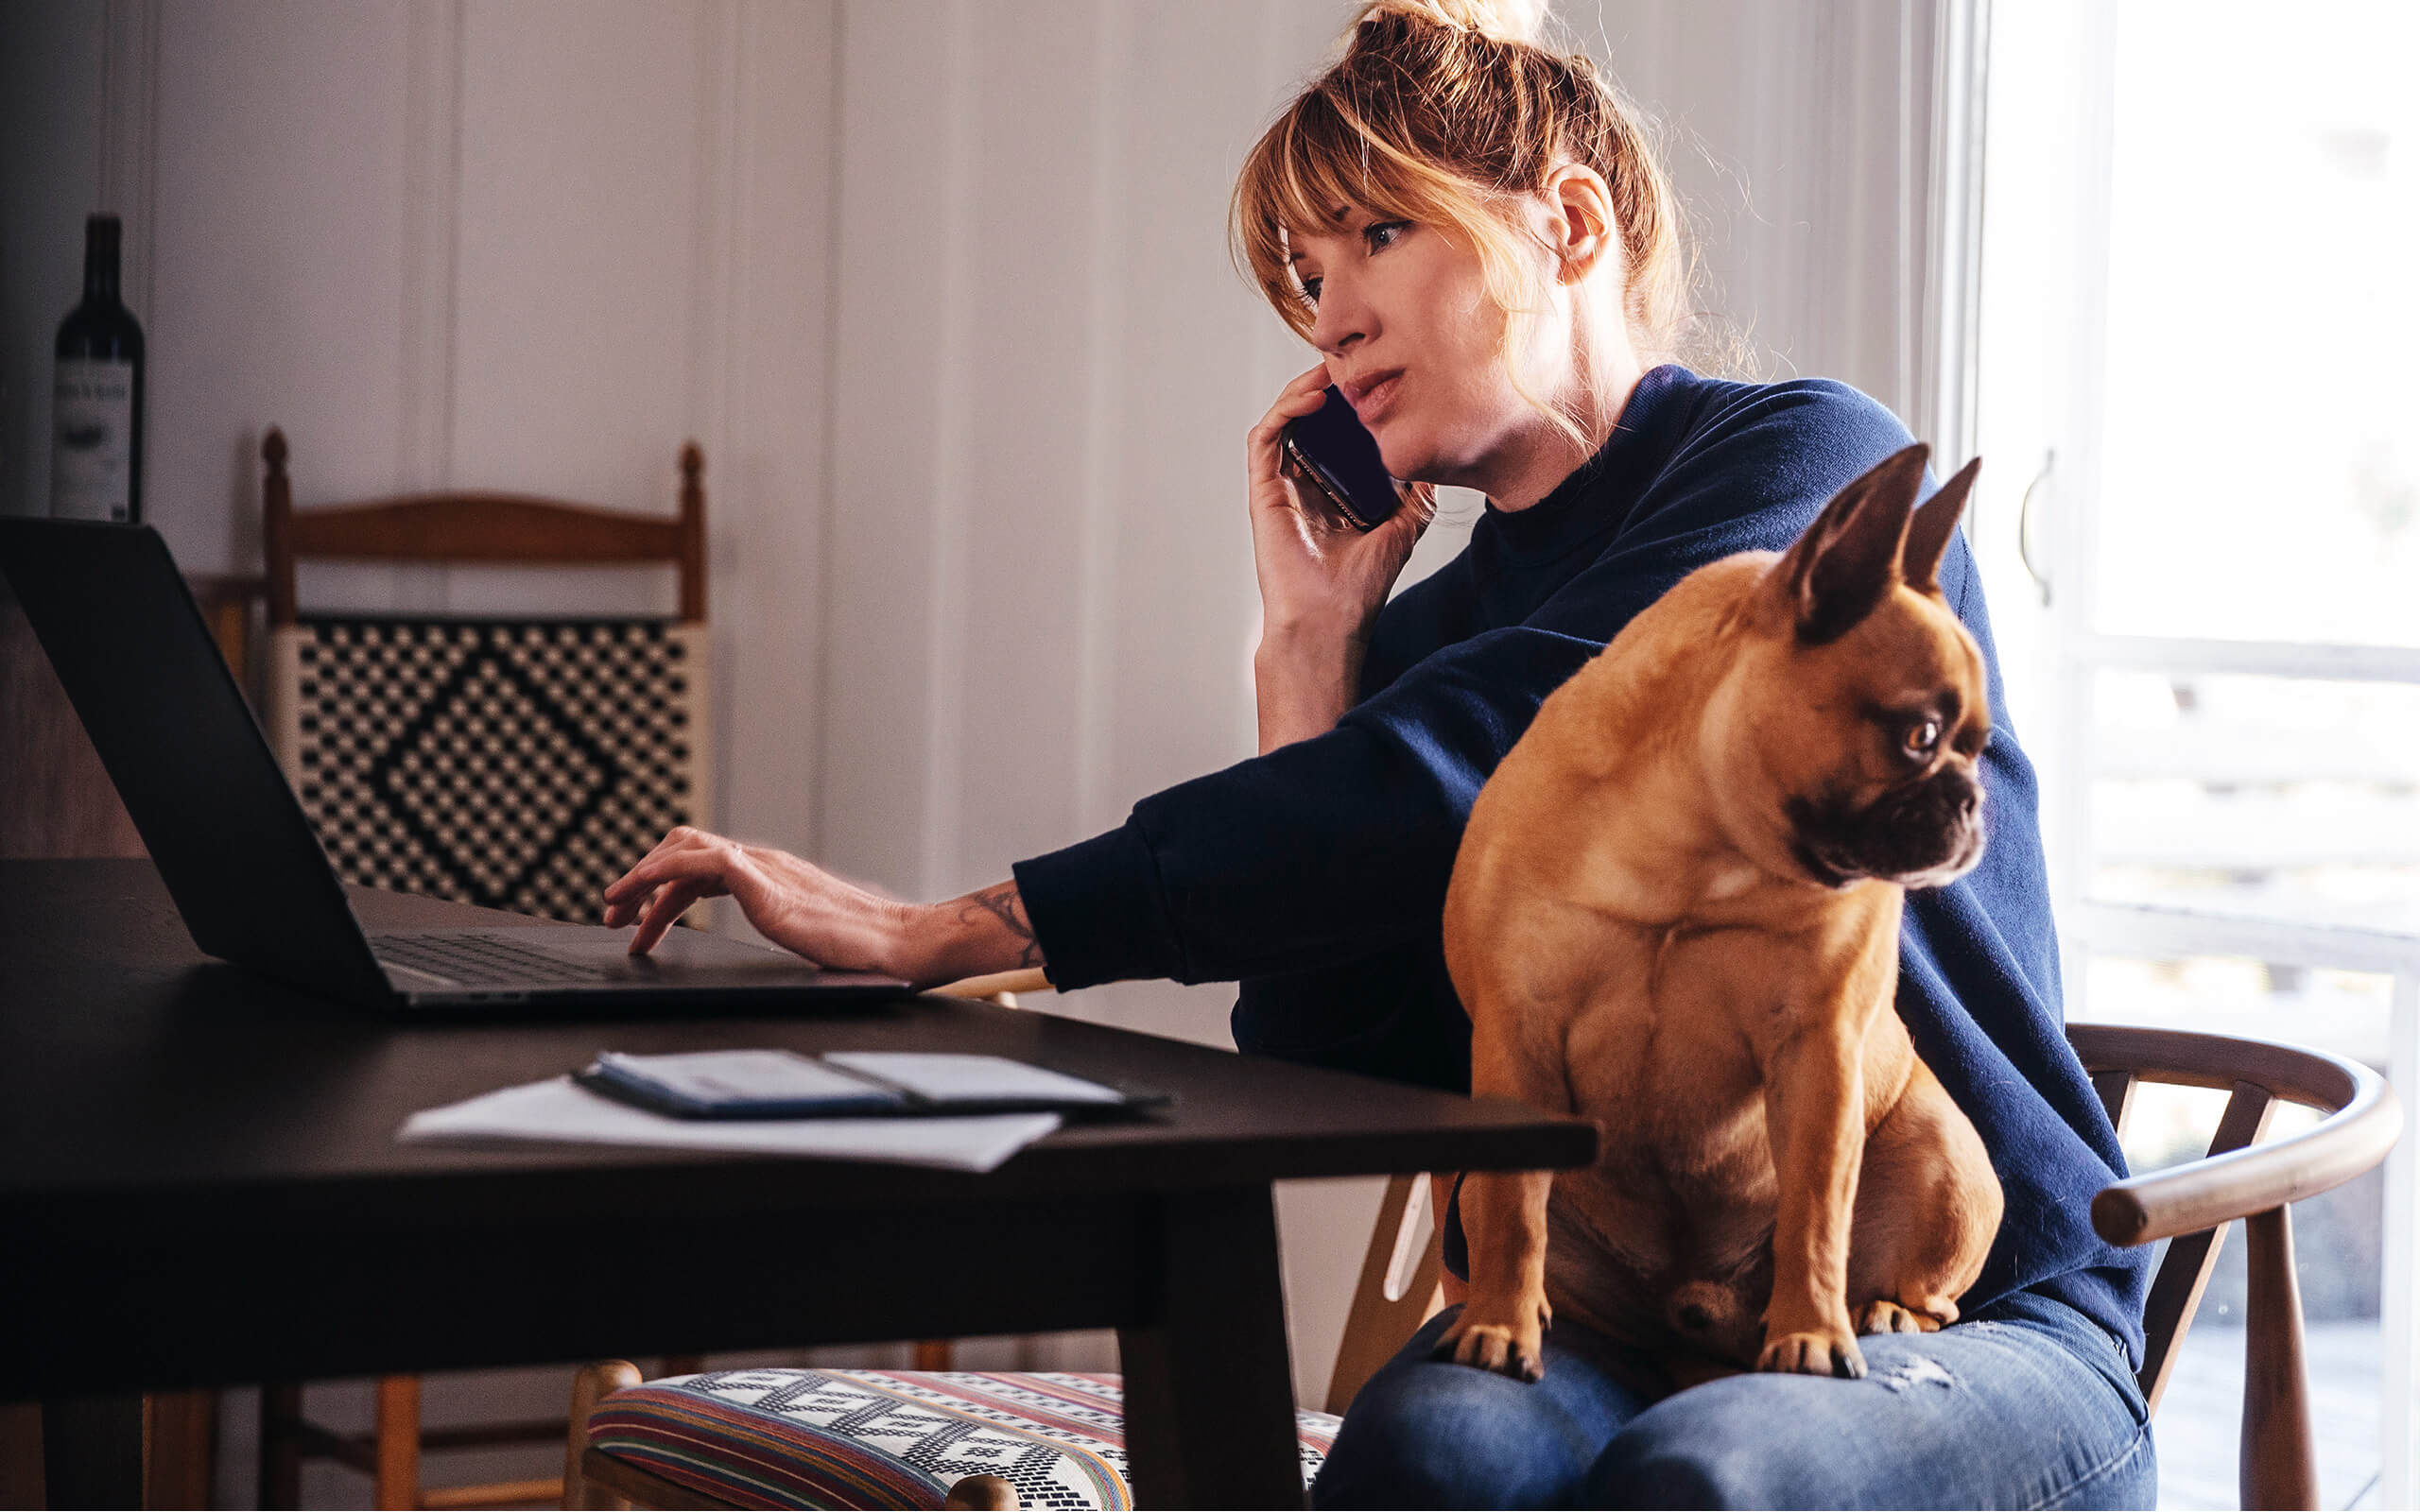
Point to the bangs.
(1307, 164)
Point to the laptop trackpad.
(684, 953)
(571, 955)
(680, 949)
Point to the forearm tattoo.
(1002, 903)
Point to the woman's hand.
(802, 908)
(1320, 589)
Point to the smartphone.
(1330, 450)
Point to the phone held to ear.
(1335, 458)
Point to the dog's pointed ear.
(1849, 557)
(1929, 532)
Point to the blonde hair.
(1451, 113)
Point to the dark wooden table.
(199, 1185)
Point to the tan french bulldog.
(1676, 912)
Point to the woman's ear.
(1580, 209)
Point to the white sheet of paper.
(947, 1078)
(563, 1111)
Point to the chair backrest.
(514, 762)
(492, 527)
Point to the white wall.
(1799, 136)
(941, 287)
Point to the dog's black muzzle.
(1921, 834)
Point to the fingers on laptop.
(685, 866)
(664, 910)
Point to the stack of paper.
(560, 1111)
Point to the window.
(2199, 529)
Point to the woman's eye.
(1922, 737)
(1371, 233)
(1310, 291)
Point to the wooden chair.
(2191, 1203)
(517, 764)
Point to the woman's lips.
(1374, 402)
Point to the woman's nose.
(1340, 322)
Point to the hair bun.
(1506, 21)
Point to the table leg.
(20, 1453)
(181, 1447)
(1209, 1385)
(91, 1450)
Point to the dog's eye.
(1921, 738)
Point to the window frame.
(2064, 473)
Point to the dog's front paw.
(1509, 1344)
(1816, 1353)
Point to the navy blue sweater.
(1315, 875)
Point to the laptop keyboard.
(483, 960)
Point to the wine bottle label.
(92, 451)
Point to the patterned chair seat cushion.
(886, 1438)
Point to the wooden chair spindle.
(2277, 1465)
(693, 534)
(2116, 1090)
(2184, 1271)
(397, 1478)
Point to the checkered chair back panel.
(514, 763)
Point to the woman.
(1472, 232)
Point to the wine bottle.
(96, 407)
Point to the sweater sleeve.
(1328, 850)
(1308, 856)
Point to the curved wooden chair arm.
(2363, 1120)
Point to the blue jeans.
(2028, 1403)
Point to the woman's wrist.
(1302, 630)
(979, 933)
(1303, 682)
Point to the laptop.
(238, 856)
